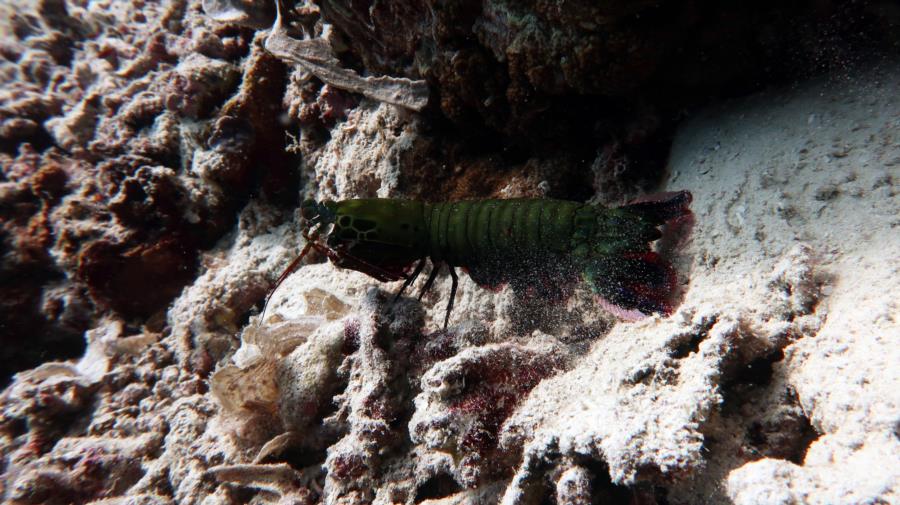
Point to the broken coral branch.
(278, 483)
(316, 56)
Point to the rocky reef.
(153, 156)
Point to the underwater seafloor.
(154, 155)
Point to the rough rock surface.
(543, 70)
(131, 135)
(148, 203)
(785, 183)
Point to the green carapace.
(540, 247)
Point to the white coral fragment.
(252, 388)
(317, 56)
(278, 483)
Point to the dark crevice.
(661, 495)
(438, 486)
(784, 433)
(30, 337)
(602, 486)
(807, 435)
(301, 457)
(549, 498)
(691, 343)
(39, 139)
(759, 371)
(689, 346)
(16, 427)
(243, 494)
(755, 435)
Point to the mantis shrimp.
(538, 246)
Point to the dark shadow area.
(438, 486)
(787, 435)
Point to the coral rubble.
(153, 154)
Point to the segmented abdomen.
(475, 232)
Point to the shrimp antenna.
(310, 241)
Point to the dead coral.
(720, 362)
(145, 190)
(58, 457)
(198, 84)
(35, 300)
(384, 144)
(371, 406)
(467, 398)
(278, 483)
(724, 401)
(110, 269)
(83, 469)
(574, 487)
(46, 400)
